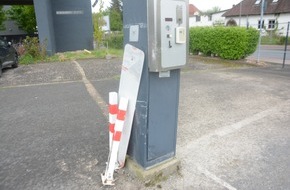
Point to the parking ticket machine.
(167, 34)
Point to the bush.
(226, 42)
(33, 48)
(270, 40)
(282, 40)
(26, 59)
(115, 41)
(253, 39)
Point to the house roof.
(221, 11)
(193, 10)
(248, 7)
(16, 2)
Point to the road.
(273, 54)
(233, 129)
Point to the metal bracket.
(105, 181)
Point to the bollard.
(108, 176)
(113, 110)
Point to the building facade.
(63, 25)
(248, 14)
(207, 20)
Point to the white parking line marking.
(236, 126)
(40, 84)
(223, 131)
(214, 178)
(92, 91)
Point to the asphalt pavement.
(233, 130)
(272, 54)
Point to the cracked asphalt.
(233, 130)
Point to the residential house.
(248, 14)
(217, 18)
(196, 18)
(12, 30)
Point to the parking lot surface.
(233, 130)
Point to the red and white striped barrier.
(107, 177)
(113, 110)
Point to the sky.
(202, 5)
(96, 8)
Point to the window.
(272, 24)
(257, 2)
(210, 18)
(197, 18)
(259, 24)
(2, 43)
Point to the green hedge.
(115, 41)
(226, 42)
(282, 40)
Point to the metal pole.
(240, 12)
(261, 26)
(286, 44)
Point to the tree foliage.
(24, 17)
(98, 22)
(116, 15)
(212, 10)
(116, 21)
(116, 5)
(2, 18)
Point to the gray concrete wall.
(65, 25)
(45, 24)
(73, 28)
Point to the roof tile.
(248, 7)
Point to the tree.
(2, 18)
(117, 6)
(212, 10)
(116, 21)
(98, 22)
(24, 17)
(116, 15)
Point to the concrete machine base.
(155, 173)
